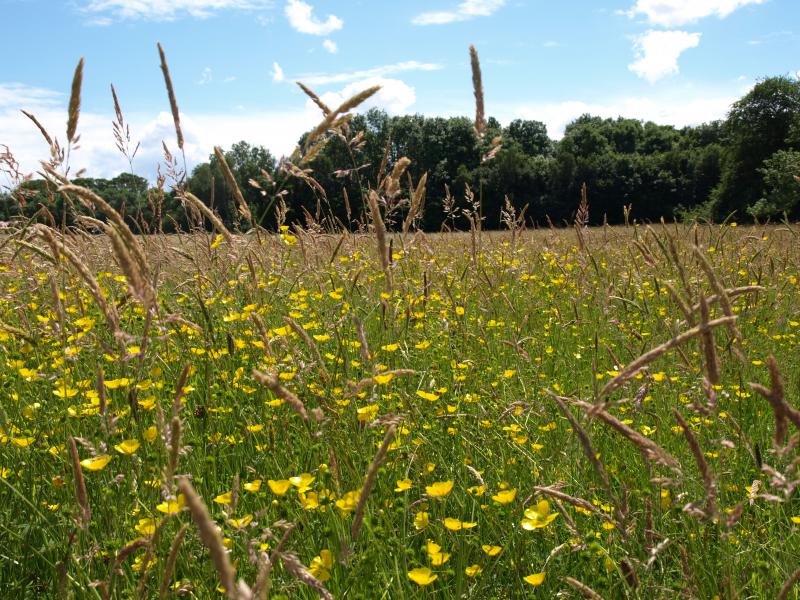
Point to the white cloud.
(205, 76)
(277, 73)
(301, 17)
(383, 70)
(330, 46)
(671, 13)
(164, 10)
(19, 95)
(657, 53)
(469, 9)
(395, 96)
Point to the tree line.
(746, 167)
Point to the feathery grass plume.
(41, 128)
(477, 88)
(17, 332)
(74, 109)
(631, 368)
(314, 98)
(782, 410)
(272, 383)
(179, 388)
(380, 237)
(95, 201)
(590, 453)
(211, 537)
(582, 216)
(722, 296)
(647, 447)
(579, 502)
(199, 205)
(330, 119)
(731, 293)
(417, 202)
(137, 285)
(299, 571)
(173, 103)
(174, 450)
(709, 481)
(709, 344)
(80, 485)
(172, 558)
(312, 345)
(244, 210)
(787, 586)
(58, 249)
(391, 184)
(369, 481)
(583, 589)
(685, 309)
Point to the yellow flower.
(252, 486)
(241, 523)
(321, 565)
(128, 447)
(796, 520)
(217, 241)
(422, 345)
(440, 489)
(456, 525)
(225, 498)
(348, 502)
(422, 576)
(538, 516)
(171, 507)
(508, 373)
(505, 496)
(421, 520)
(383, 379)
(427, 395)
(146, 527)
(390, 347)
(302, 482)
(403, 485)
(24, 442)
(279, 487)
(535, 579)
(113, 384)
(473, 571)
(491, 550)
(150, 433)
(98, 463)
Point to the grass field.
(478, 415)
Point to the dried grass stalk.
(80, 485)
(173, 103)
(199, 205)
(369, 481)
(272, 383)
(354, 388)
(298, 571)
(174, 450)
(41, 128)
(583, 589)
(579, 502)
(648, 447)
(782, 410)
(380, 237)
(787, 586)
(244, 209)
(60, 249)
(709, 481)
(314, 98)
(658, 351)
(211, 537)
(477, 89)
(417, 202)
(709, 344)
(74, 110)
(172, 558)
(719, 289)
(330, 119)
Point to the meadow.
(595, 413)
(310, 412)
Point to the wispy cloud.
(382, 71)
(672, 13)
(301, 17)
(277, 73)
(330, 46)
(469, 9)
(15, 96)
(106, 11)
(205, 77)
(657, 53)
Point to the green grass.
(487, 334)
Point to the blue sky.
(233, 64)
